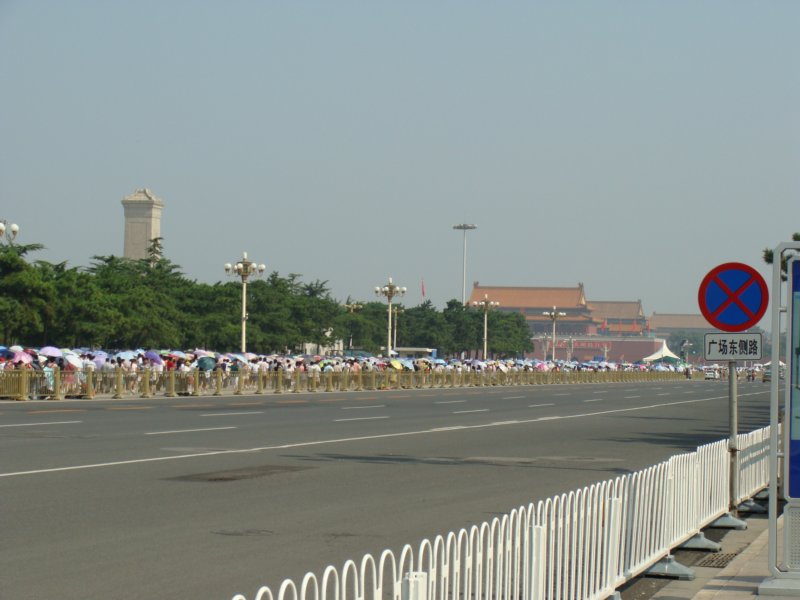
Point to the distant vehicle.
(766, 375)
(711, 374)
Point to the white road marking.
(360, 407)
(538, 405)
(233, 414)
(566, 394)
(450, 402)
(352, 439)
(663, 394)
(35, 424)
(188, 430)
(461, 412)
(627, 397)
(359, 419)
(513, 397)
(594, 400)
(603, 392)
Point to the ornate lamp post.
(465, 227)
(554, 315)
(351, 308)
(397, 311)
(485, 305)
(8, 232)
(244, 269)
(390, 290)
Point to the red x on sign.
(733, 297)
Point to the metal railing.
(119, 383)
(576, 546)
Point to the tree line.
(120, 303)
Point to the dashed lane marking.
(234, 414)
(188, 430)
(317, 443)
(37, 424)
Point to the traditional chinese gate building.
(531, 302)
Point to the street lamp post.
(554, 315)
(8, 232)
(244, 269)
(389, 290)
(351, 308)
(485, 305)
(396, 312)
(465, 227)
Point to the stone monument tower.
(142, 222)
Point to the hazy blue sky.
(632, 145)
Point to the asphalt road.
(206, 497)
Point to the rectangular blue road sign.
(793, 346)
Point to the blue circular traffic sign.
(733, 297)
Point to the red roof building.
(531, 302)
(619, 318)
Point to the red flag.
(423, 288)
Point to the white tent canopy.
(780, 364)
(663, 353)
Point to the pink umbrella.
(51, 352)
(22, 357)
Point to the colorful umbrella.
(153, 356)
(206, 363)
(74, 360)
(51, 352)
(23, 357)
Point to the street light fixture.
(352, 307)
(8, 232)
(390, 290)
(465, 227)
(554, 315)
(244, 269)
(485, 305)
(397, 312)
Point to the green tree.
(423, 327)
(769, 257)
(466, 330)
(24, 296)
(80, 315)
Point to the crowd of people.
(202, 368)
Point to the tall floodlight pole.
(389, 290)
(465, 227)
(554, 315)
(485, 305)
(244, 269)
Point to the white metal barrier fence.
(576, 546)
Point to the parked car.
(711, 374)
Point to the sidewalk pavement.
(738, 580)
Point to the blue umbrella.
(154, 357)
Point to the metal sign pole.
(785, 580)
(733, 441)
